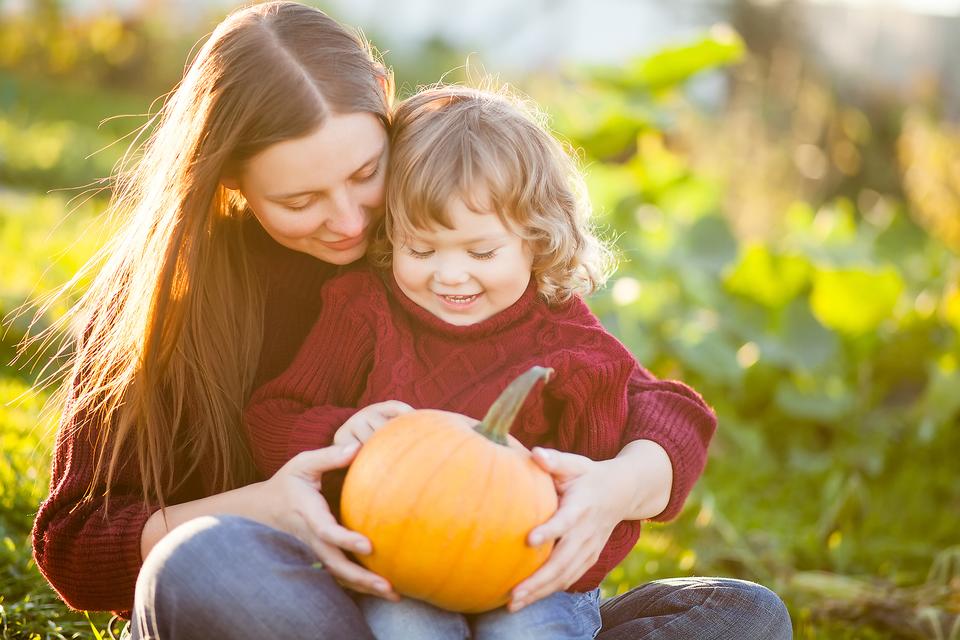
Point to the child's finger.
(393, 408)
(364, 432)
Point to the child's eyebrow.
(489, 238)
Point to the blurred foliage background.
(789, 246)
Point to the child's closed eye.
(422, 255)
(483, 255)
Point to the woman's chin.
(339, 257)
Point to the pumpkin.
(447, 507)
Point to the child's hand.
(363, 423)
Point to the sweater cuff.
(683, 427)
(92, 563)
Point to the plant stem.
(496, 425)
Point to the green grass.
(832, 478)
(28, 606)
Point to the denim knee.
(411, 618)
(762, 613)
(560, 616)
(226, 576)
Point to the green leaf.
(710, 245)
(672, 66)
(772, 280)
(855, 301)
(809, 398)
(803, 342)
(708, 354)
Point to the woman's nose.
(345, 216)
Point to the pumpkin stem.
(496, 425)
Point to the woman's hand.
(295, 505)
(592, 503)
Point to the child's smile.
(467, 273)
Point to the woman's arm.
(646, 477)
(289, 501)
(668, 428)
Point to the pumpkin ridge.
(503, 513)
(455, 566)
(436, 472)
(520, 561)
(378, 500)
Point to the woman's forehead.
(331, 153)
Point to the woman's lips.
(346, 243)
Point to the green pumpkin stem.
(496, 425)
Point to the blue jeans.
(561, 616)
(229, 577)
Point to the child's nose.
(450, 273)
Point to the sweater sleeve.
(303, 407)
(91, 559)
(595, 409)
(674, 416)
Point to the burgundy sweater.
(371, 343)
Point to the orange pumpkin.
(448, 508)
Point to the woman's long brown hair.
(172, 323)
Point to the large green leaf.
(770, 279)
(710, 245)
(672, 66)
(810, 398)
(707, 352)
(855, 301)
(802, 342)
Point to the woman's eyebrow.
(290, 196)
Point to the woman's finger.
(559, 524)
(561, 464)
(311, 465)
(328, 530)
(353, 575)
(569, 560)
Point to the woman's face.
(319, 194)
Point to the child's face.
(465, 274)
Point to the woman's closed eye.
(367, 174)
(297, 206)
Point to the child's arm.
(670, 418)
(303, 408)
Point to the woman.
(258, 182)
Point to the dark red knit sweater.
(372, 343)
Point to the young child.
(488, 249)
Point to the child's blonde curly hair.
(449, 141)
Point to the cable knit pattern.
(371, 343)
